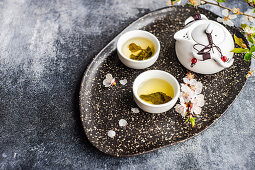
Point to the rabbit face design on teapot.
(203, 46)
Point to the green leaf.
(192, 121)
(240, 50)
(244, 25)
(187, 120)
(252, 49)
(239, 41)
(221, 0)
(251, 39)
(247, 56)
(187, 4)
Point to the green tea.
(156, 91)
(138, 48)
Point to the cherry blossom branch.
(221, 6)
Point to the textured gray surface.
(45, 46)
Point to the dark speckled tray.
(102, 108)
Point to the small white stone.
(135, 110)
(123, 122)
(4, 155)
(111, 133)
(123, 82)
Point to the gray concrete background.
(45, 46)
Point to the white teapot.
(203, 46)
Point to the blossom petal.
(249, 12)
(245, 19)
(180, 109)
(200, 100)
(123, 82)
(225, 12)
(198, 87)
(185, 88)
(108, 76)
(112, 81)
(106, 83)
(249, 30)
(197, 109)
(232, 16)
(198, 90)
(251, 19)
(220, 19)
(230, 23)
(182, 100)
(186, 80)
(193, 82)
(225, 22)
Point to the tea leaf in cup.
(134, 48)
(156, 98)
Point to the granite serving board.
(103, 107)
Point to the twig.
(219, 5)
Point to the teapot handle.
(195, 17)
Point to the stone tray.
(101, 108)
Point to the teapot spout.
(224, 64)
(181, 35)
(216, 58)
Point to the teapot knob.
(194, 18)
(209, 28)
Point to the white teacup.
(135, 63)
(158, 74)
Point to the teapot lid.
(199, 33)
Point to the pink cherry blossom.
(109, 81)
(191, 99)
(226, 20)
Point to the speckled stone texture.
(45, 46)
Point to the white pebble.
(111, 133)
(135, 110)
(123, 122)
